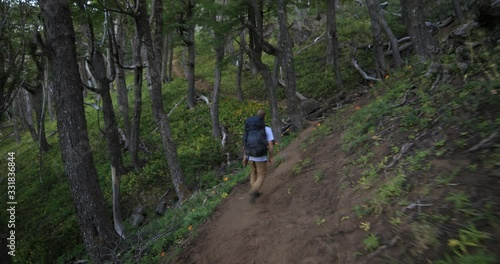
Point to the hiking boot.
(254, 196)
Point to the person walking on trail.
(258, 151)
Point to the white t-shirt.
(269, 137)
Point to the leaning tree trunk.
(378, 44)
(159, 114)
(293, 105)
(396, 55)
(111, 133)
(93, 217)
(333, 57)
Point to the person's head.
(261, 113)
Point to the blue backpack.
(254, 138)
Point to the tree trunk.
(257, 45)
(170, 56)
(117, 212)
(458, 10)
(423, 42)
(190, 45)
(121, 83)
(378, 42)
(26, 113)
(100, 71)
(136, 118)
(38, 103)
(157, 104)
(38, 97)
(293, 106)
(239, 72)
(164, 60)
(93, 218)
(396, 55)
(214, 109)
(15, 120)
(333, 54)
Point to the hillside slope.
(318, 208)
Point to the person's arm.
(270, 149)
(245, 158)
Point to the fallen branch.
(172, 110)
(485, 142)
(398, 156)
(379, 249)
(413, 205)
(299, 95)
(316, 41)
(204, 98)
(95, 106)
(404, 98)
(435, 83)
(401, 48)
(355, 64)
(224, 136)
(164, 195)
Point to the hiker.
(257, 151)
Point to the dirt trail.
(296, 220)
(285, 225)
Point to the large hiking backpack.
(254, 138)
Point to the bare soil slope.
(294, 221)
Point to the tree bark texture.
(241, 62)
(157, 105)
(378, 42)
(121, 83)
(138, 78)
(214, 109)
(93, 218)
(187, 34)
(100, 70)
(333, 54)
(396, 54)
(423, 41)
(257, 45)
(38, 98)
(293, 106)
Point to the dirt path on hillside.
(296, 220)
(290, 223)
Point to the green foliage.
(321, 131)
(467, 238)
(368, 177)
(318, 175)
(181, 222)
(479, 257)
(425, 236)
(417, 161)
(299, 166)
(393, 188)
(460, 200)
(362, 210)
(371, 242)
